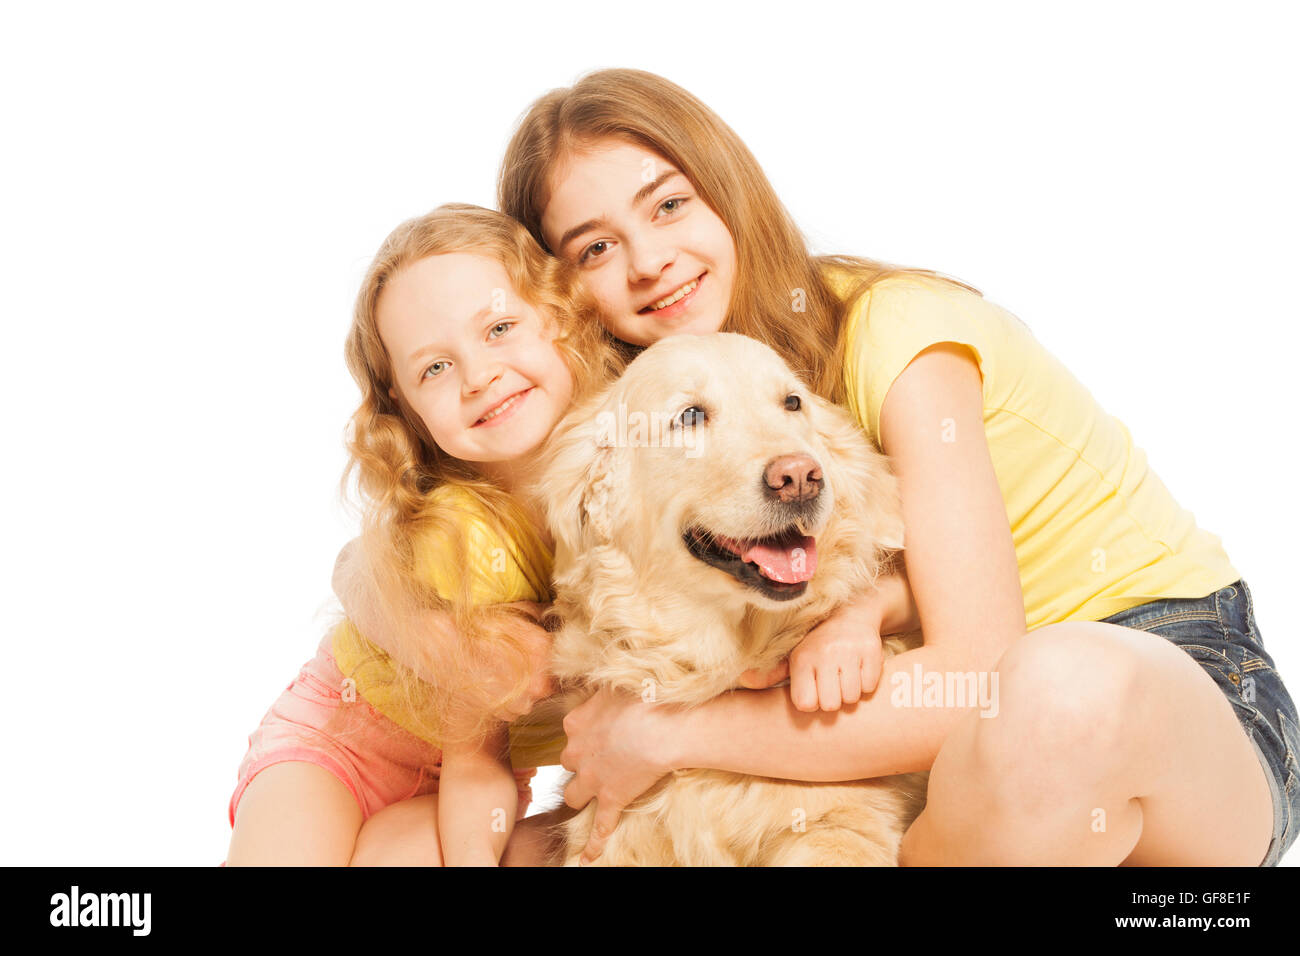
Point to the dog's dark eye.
(692, 416)
(792, 403)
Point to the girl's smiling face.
(473, 360)
(657, 259)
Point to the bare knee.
(294, 814)
(538, 840)
(1065, 702)
(402, 834)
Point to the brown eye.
(694, 415)
(792, 403)
(597, 248)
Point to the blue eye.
(431, 368)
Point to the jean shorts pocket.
(1209, 657)
(1237, 615)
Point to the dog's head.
(710, 461)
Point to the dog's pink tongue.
(789, 562)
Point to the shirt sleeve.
(470, 548)
(897, 320)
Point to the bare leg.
(406, 834)
(294, 814)
(537, 840)
(401, 834)
(1110, 746)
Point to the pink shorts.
(378, 761)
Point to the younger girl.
(1139, 718)
(468, 343)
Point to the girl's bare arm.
(381, 625)
(477, 799)
(384, 626)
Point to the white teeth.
(676, 296)
(505, 406)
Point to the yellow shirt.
(1095, 531)
(500, 572)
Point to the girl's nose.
(480, 376)
(649, 260)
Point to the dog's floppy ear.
(864, 481)
(581, 477)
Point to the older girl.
(1140, 718)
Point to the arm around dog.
(363, 608)
(964, 578)
(961, 565)
(380, 626)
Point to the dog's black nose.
(793, 478)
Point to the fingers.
(873, 659)
(830, 670)
(607, 814)
(578, 792)
(537, 644)
(826, 686)
(850, 685)
(803, 684)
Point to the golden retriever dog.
(708, 510)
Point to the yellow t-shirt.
(500, 572)
(1095, 531)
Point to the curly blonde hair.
(398, 467)
(774, 269)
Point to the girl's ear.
(864, 484)
(580, 484)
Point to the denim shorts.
(1220, 634)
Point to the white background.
(190, 196)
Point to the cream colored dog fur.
(655, 491)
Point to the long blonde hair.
(775, 274)
(398, 468)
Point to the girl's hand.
(836, 663)
(616, 750)
(537, 640)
